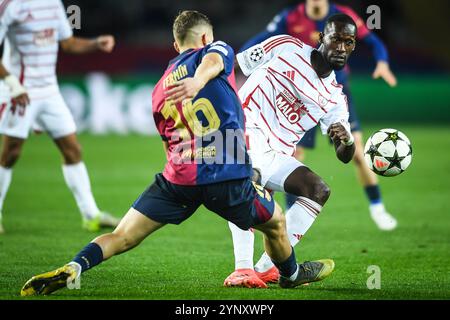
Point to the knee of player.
(11, 155)
(125, 241)
(73, 154)
(321, 192)
(278, 224)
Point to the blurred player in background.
(195, 86)
(304, 22)
(33, 31)
(292, 88)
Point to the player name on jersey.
(179, 73)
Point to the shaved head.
(189, 25)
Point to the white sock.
(77, 180)
(5, 181)
(377, 207)
(299, 218)
(243, 247)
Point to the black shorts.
(242, 202)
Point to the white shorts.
(50, 115)
(274, 166)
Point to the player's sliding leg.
(133, 228)
(312, 193)
(282, 255)
(11, 149)
(369, 181)
(77, 179)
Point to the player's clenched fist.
(184, 89)
(105, 43)
(338, 133)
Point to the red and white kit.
(31, 31)
(282, 99)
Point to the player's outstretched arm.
(210, 67)
(77, 45)
(343, 142)
(381, 55)
(382, 70)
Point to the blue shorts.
(240, 201)
(309, 139)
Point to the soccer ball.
(388, 152)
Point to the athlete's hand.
(105, 43)
(338, 133)
(21, 100)
(184, 89)
(382, 70)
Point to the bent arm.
(343, 152)
(211, 66)
(344, 143)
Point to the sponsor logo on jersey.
(322, 100)
(45, 37)
(291, 107)
(290, 74)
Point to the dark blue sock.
(290, 200)
(288, 267)
(89, 257)
(373, 193)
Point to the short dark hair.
(185, 21)
(341, 18)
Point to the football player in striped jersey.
(292, 88)
(32, 32)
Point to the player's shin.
(243, 247)
(277, 246)
(5, 181)
(299, 218)
(77, 179)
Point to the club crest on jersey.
(322, 101)
(291, 107)
(45, 37)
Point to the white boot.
(383, 219)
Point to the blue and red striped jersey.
(205, 136)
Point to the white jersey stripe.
(273, 72)
(3, 6)
(269, 44)
(273, 86)
(287, 41)
(309, 82)
(270, 129)
(300, 90)
(275, 113)
(287, 96)
(32, 31)
(283, 39)
(39, 9)
(309, 65)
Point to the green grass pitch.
(191, 261)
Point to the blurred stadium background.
(110, 93)
(110, 97)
